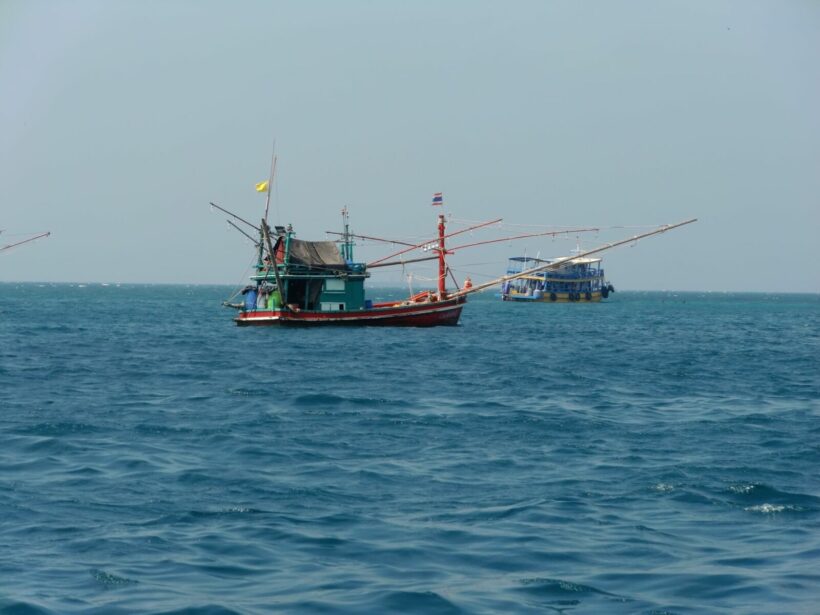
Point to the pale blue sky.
(121, 120)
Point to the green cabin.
(313, 276)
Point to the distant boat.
(578, 279)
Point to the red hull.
(427, 314)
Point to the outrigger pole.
(407, 262)
(233, 215)
(355, 236)
(557, 264)
(411, 246)
(437, 240)
(546, 233)
(256, 243)
(19, 243)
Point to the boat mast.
(347, 245)
(442, 264)
(273, 264)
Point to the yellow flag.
(262, 187)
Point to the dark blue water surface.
(658, 453)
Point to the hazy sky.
(121, 120)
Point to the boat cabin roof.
(546, 261)
(316, 254)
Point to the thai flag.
(438, 199)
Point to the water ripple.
(650, 455)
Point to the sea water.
(655, 453)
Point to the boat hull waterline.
(593, 297)
(427, 314)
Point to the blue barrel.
(368, 304)
(538, 294)
(250, 300)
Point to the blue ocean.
(657, 453)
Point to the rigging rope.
(242, 284)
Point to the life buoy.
(553, 297)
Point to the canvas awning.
(316, 254)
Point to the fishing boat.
(299, 282)
(578, 279)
